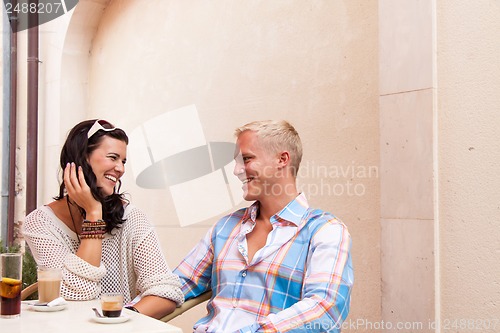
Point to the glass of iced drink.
(11, 265)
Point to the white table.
(77, 318)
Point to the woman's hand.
(79, 191)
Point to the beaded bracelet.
(85, 229)
(94, 223)
(93, 229)
(86, 236)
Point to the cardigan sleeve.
(53, 247)
(154, 276)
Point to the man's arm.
(195, 271)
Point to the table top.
(78, 317)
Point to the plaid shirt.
(300, 281)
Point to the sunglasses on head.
(98, 126)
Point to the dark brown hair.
(77, 149)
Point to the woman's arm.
(53, 248)
(154, 306)
(158, 286)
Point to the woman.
(101, 241)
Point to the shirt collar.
(291, 213)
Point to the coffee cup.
(111, 304)
(49, 284)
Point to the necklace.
(72, 219)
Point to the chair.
(29, 290)
(188, 305)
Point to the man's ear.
(283, 159)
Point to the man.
(278, 265)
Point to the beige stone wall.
(407, 91)
(468, 72)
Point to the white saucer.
(44, 308)
(111, 320)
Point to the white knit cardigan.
(132, 261)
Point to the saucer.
(45, 308)
(111, 320)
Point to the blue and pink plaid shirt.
(300, 281)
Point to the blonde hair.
(277, 135)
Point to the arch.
(75, 59)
